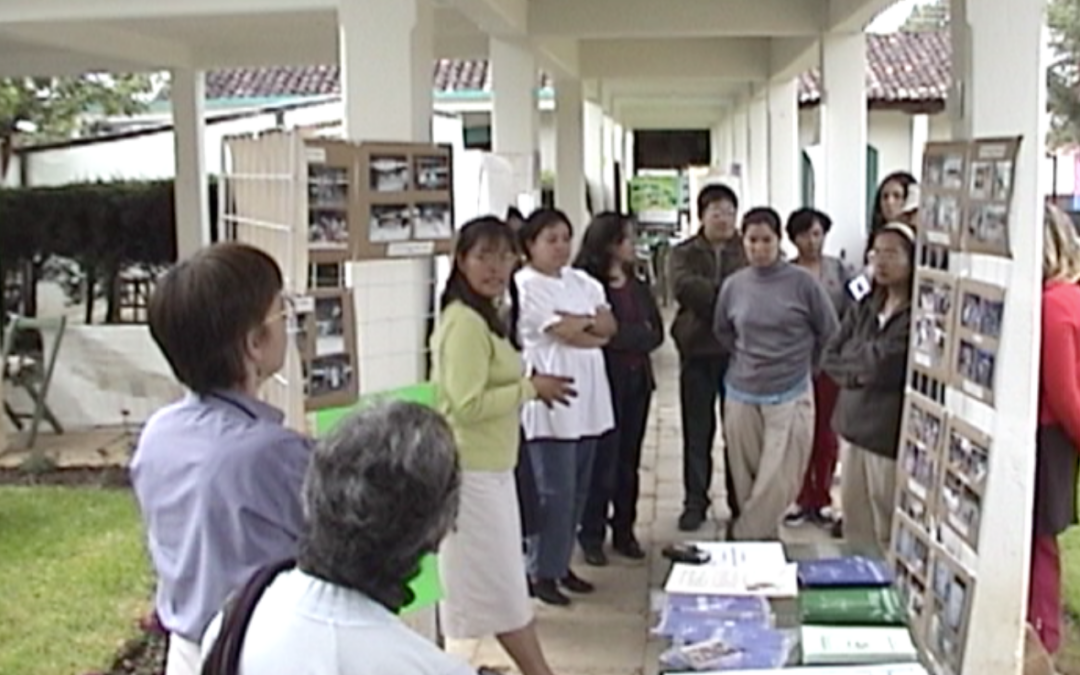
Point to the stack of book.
(850, 614)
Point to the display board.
(327, 343)
(943, 467)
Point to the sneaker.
(798, 517)
(691, 520)
(837, 530)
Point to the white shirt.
(541, 299)
(305, 626)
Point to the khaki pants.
(183, 657)
(868, 496)
(768, 448)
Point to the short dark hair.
(801, 220)
(381, 492)
(203, 309)
(717, 192)
(762, 215)
(538, 221)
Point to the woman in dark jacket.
(607, 254)
(868, 359)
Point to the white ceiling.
(695, 54)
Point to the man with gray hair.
(381, 493)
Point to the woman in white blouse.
(562, 320)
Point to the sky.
(891, 19)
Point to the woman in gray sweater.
(774, 318)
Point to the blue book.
(853, 571)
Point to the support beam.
(959, 102)
(732, 59)
(191, 192)
(497, 18)
(386, 86)
(570, 154)
(854, 15)
(515, 117)
(791, 57)
(784, 157)
(13, 11)
(758, 164)
(98, 40)
(675, 18)
(842, 191)
(561, 57)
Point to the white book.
(856, 645)
(880, 669)
(718, 579)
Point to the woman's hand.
(570, 326)
(552, 389)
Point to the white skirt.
(481, 563)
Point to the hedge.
(105, 227)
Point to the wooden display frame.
(966, 464)
(992, 175)
(331, 218)
(402, 183)
(981, 310)
(949, 617)
(930, 352)
(924, 427)
(942, 203)
(310, 356)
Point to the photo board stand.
(948, 457)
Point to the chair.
(27, 365)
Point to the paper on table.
(751, 554)
(713, 579)
(883, 669)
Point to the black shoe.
(691, 520)
(837, 530)
(576, 584)
(547, 591)
(629, 548)
(594, 555)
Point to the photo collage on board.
(989, 197)
(408, 200)
(328, 207)
(327, 340)
(932, 327)
(979, 319)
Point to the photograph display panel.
(978, 331)
(942, 197)
(989, 196)
(331, 188)
(328, 345)
(949, 613)
(933, 323)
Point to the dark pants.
(614, 488)
(563, 471)
(528, 497)
(817, 484)
(700, 385)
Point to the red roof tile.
(902, 68)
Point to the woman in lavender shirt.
(217, 476)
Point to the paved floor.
(608, 633)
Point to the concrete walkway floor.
(607, 633)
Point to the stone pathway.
(608, 633)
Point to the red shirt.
(1059, 374)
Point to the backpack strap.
(224, 656)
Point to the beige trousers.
(183, 657)
(768, 450)
(867, 496)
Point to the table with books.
(829, 609)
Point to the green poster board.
(427, 587)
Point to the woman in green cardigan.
(481, 387)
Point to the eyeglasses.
(287, 311)
(890, 255)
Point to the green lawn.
(74, 578)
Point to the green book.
(851, 607)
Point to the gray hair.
(382, 491)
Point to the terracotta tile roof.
(902, 68)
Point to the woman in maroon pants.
(807, 229)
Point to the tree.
(927, 17)
(1063, 76)
(55, 108)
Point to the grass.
(74, 578)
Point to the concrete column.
(607, 165)
(758, 120)
(386, 85)
(1019, 109)
(515, 116)
(594, 154)
(628, 153)
(718, 150)
(191, 189)
(920, 134)
(784, 164)
(570, 143)
(740, 133)
(842, 187)
(959, 101)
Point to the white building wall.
(890, 134)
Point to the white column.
(607, 164)
(740, 134)
(594, 156)
(192, 205)
(515, 120)
(717, 144)
(920, 134)
(1019, 109)
(843, 141)
(959, 102)
(759, 151)
(570, 145)
(784, 164)
(628, 153)
(386, 85)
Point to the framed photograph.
(987, 229)
(325, 271)
(432, 173)
(912, 591)
(390, 222)
(933, 319)
(389, 173)
(1003, 180)
(951, 593)
(328, 187)
(953, 166)
(982, 309)
(433, 221)
(922, 435)
(982, 180)
(329, 350)
(986, 223)
(328, 229)
(968, 454)
(960, 509)
(976, 366)
(911, 549)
